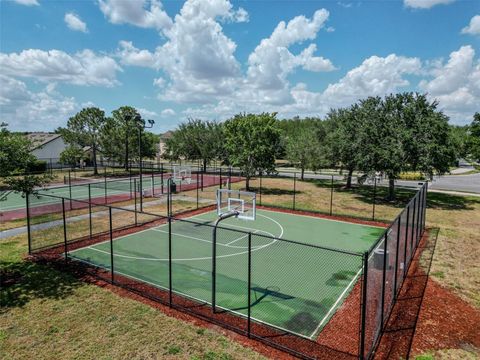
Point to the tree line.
(117, 137)
(389, 135)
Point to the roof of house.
(166, 135)
(39, 139)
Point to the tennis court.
(294, 286)
(80, 191)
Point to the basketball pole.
(214, 253)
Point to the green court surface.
(15, 200)
(293, 286)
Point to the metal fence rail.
(69, 224)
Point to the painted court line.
(342, 294)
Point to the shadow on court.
(397, 339)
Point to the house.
(163, 143)
(46, 146)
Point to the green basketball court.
(295, 287)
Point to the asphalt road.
(461, 183)
(464, 183)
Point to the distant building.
(46, 146)
(163, 143)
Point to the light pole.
(129, 118)
(141, 127)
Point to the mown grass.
(50, 314)
(45, 311)
(455, 263)
(450, 354)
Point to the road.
(462, 183)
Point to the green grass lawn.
(49, 314)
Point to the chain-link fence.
(311, 301)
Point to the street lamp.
(141, 126)
(136, 119)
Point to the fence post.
(413, 227)
(364, 305)
(425, 206)
(417, 232)
(135, 192)
(230, 178)
(294, 188)
(201, 178)
(111, 243)
(153, 184)
(29, 231)
(197, 186)
(331, 197)
(170, 261)
(396, 258)
(105, 183)
(260, 190)
(70, 187)
(64, 230)
(161, 175)
(374, 198)
(406, 241)
(249, 282)
(90, 209)
(220, 170)
(385, 247)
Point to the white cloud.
(142, 13)
(159, 82)
(474, 27)
(82, 68)
(130, 55)
(271, 62)
(425, 4)
(168, 112)
(147, 114)
(330, 29)
(456, 84)
(74, 22)
(25, 110)
(27, 2)
(241, 15)
(375, 76)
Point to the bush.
(38, 166)
(411, 175)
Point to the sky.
(212, 59)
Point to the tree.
(72, 155)
(303, 147)
(403, 132)
(459, 136)
(196, 140)
(381, 136)
(119, 137)
(84, 129)
(15, 160)
(251, 141)
(473, 142)
(342, 139)
(428, 143)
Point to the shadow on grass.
(24, 281)
(274, 191)
(451, 202)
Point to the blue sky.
(212, 59)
